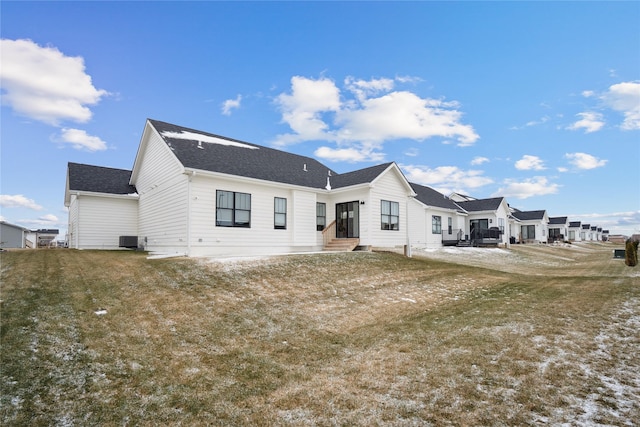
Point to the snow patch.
(193, 136)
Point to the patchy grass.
(528, 336)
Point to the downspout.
(408, 250)
(191, 174)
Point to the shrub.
(631, 253)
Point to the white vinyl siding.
(98, 222)
(389, 186)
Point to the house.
(12, 236)
(102, 204)
(199, 194)
(435, 219)
(486, 220)
(575, 228)
(558, 227)
(42, 238)
(533, 225)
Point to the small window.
(436, 224)
(233, 209)
(390, 215)
(321, 216)
(279, 213)
(449, 225)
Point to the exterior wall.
(163, 204)
(574, 234)
(420, 225)
(11, 236)
(97, 222)
(542, 232)
(261, 237)
(388, 186)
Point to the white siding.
(163, 197)
(163, 216)
(389, 187)
(302, 217)
(98, 222)
(261, 237)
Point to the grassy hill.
(531, 335)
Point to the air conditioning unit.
(130, 242)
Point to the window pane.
(321, 209)
(280, 220)
(386, 207)
(242, 218)
(224, 199)
(395, 208)
(224, 217)
(243, 201)
(280, 205)
(395, 223)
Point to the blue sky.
(535, 101)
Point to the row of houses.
(13, 236)
(194, 193)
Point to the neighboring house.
(42, 238)
(558, 227)
(617, 238)
(533, 226)
(102, 206)
(585, 233)
(12, 236)
(198, 194)
(605, 235)
(435, 220)
(486, 221)
(575, 228)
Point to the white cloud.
(317, 110)
(537, 186)
(625, 98)
(351, 155)
(44, 84)
(230, 104)
(528, 162)
(590, 122)
(18, 201)
(364, 89)
(80, 140)
(48, 220)
(479, 160)
(584, 161)
(446, 178)
(588, 93)
(562, 169)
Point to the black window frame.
(436, 224)
(235, 207)
(387, 215)
(279, 214)
(321, 217)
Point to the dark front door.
(347, 220)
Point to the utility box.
(618, 253)
(130, 242)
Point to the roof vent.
(200, 145)
(304, 167)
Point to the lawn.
(534, 335)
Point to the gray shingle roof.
(360, 176)
(431, 197)
(243, 159)
(529, 215)
(558, 220)
(98, 179)
(491, 204)
(574, 224)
